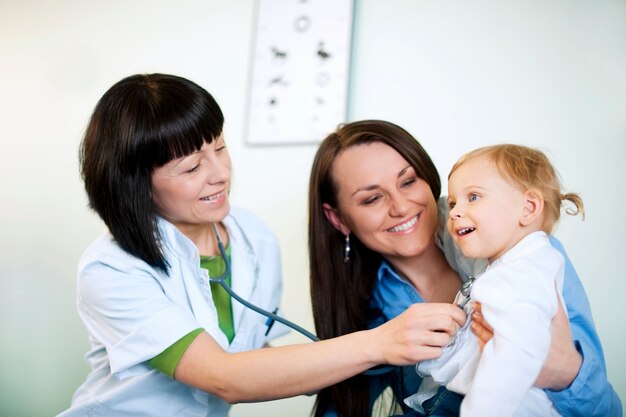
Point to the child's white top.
(518, 294)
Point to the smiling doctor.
(164, 342)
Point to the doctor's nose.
(219, 172)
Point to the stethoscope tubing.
(221, 280)
(268, 314)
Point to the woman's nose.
(399, 206)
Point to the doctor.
(165, 342)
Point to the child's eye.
(451, 204)
(472, 197)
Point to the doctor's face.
(193, 191)
(383, 202)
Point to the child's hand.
(481, 329)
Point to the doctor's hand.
(563, 361)
(418, 333)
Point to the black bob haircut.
(140, 123)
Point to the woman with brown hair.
(377, 246)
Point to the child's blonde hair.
(529, 168)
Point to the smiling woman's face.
(383, 202)
(193, 191)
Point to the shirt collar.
(182, 247)
(392, 294)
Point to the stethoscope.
(272, 316)
(464, 293)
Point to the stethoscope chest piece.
(463, 296)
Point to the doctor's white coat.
(133, 312)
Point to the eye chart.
(299, 81)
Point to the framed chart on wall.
(300, 68)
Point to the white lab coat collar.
(244, 269)
(244, 273)
(180, 247)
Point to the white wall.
(456, 74)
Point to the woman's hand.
(418, 333)
(563, 361)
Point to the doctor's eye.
(194, 169)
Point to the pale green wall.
(456, 74)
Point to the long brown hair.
(340, 291)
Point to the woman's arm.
(590, 393)
(266, 374)
(563, 361)
(575, 372)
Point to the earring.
(346, 252)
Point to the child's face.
(485, 210)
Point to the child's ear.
(333, 218)
(533, 207)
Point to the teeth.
(466, 230)
(404, 226)
(211, 197)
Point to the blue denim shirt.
(391, 296)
